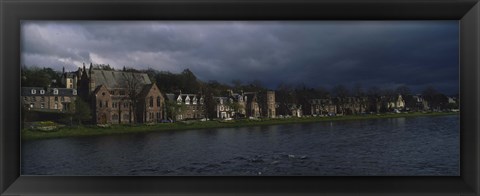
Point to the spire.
(84, 66)
(63, 70)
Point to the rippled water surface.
(398, 146)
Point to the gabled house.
(49, 99)
(192, 105)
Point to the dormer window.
(201, 100)
(42, 92)
(55, 91)
(187, 100)
(221, 101)
(34, 91)
(179, 99)
(194, 100)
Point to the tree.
(133, 86)
(209, 101)
(235, 107)
(82, 111)
(174, 109)
(36, 77)
(341, 93)
(357, 90)
(373, 95)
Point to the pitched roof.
(27, 91)
(113, 79)
(145, 90)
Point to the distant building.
(49, 99)
(396, 102)
(322, 107)
(223, 107)
(295, 110)
(69, 79)
(420, 103)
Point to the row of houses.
(108, 93)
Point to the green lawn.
(92, 130)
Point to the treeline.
(40, 77)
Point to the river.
(416, 146)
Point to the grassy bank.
(93, 130)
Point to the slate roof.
(27, 91)
(145, 90)
(113, 79)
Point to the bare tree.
(133, 86)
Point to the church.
(119, 97)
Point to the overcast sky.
(317, 53)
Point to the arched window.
(158, 101)
(151, 101)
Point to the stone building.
(396, 102)
(322, 107)
(118, 97)
(223, 107)
(69, 79)
(268, 107)
(193, 105)
(49, 99)
(246, 104)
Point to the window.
(25, 98)
(71, 85)
(42, 99)
(34, 98)
(63, 98)
(56, 98)
(115, 117)
(125, 105)
(158, 101)
(55, 106)
(100, 104)
(34, 92)
(126, 117)
(74, 92)
(42, 105)
(112, 92)
(158, 115)
(106, 104)
(32, 105)
(151, 101)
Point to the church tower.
(271, 104)
(92, 78)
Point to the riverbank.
(93, 130)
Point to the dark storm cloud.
(321, 53)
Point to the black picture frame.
(12, 12)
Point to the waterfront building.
(192, 105)
(119, 97)
(49, 99)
